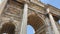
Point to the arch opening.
(30, 29)
(37, 23)
(59, 21)
(8, 28)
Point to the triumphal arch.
(15, 15)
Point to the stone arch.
(36, 22)
(8, 27)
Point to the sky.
(30, 30)
(55, 3)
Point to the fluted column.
(2, 5)
(55, 29)
(24, 20)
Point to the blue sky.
(55, 3)
(30, 30)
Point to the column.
(55, 29)
(48, 26)
(2, 5)
(24, 20)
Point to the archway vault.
(8, 27)
(35, 21)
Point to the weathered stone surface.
(37, 15)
